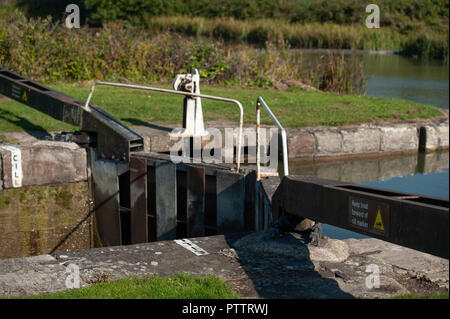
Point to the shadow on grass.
(138, 122)
(34, 130)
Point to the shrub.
(416, 27)
(347, 12)
(43, 50)
(424, 45)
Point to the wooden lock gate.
(141, 197)
(157, 199)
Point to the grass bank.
(154, 287)
(293, 107)
(395, 13)
(427, 296)
(414, 39)
(174, 287)
(46, 51)
(414, 27)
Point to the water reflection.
(393, 76)
(423, 81)
(361, 170)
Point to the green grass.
(396, 13)
(416, 27)
(155, 287)
(428, 296)
(294, 108)
(323, 34)
(5, 10)
(175, 287)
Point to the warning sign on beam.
(369, 215)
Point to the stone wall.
(345, 141)
(45, 199)
(35, 220)
(42, 163)
(366, 139)
(49, 163)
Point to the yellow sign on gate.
(378, 221)
(24, 96)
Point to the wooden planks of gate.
(155, 207)
(230, 202)
(162, 200)
(106, 199)
(195, 201)
(153, 199)
(138, 200)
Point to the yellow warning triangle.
(378, 221)
(24, 96)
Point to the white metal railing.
(283, 137)
(210, 97)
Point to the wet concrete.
(252, 264)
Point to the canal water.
(422, 81)
(394, 76)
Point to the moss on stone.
(64, 199)
(35, 219)
(4, 201)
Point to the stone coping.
(45, 162)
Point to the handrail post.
(258, 156)
(285, 153)
(260, 101)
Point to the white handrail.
(283, 137)
(211, 97)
